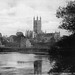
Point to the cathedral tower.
(37, 25)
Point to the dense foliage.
(67, 14)
(63, 52)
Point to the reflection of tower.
(37, 25)
(38, 67)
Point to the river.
(14, 63)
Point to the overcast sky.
(17, 15)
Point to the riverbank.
(31, 50)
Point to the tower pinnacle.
(34, 18)
(40, 18)
(37, 17)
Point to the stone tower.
(37, 25)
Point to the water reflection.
(38, 67)
(21, 64)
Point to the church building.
(39, 34)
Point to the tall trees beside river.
(63, 52)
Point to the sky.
(17, 15)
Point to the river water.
(14, 63)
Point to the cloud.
(18, 14)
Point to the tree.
(19, 34)
(67, 14)
(63, 52)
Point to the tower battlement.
(37, 19)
